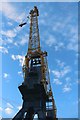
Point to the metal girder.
(36, 88)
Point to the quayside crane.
(36, 88)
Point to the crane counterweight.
(22, 24)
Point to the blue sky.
(58, 28)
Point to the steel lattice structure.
(36, 88)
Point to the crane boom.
(34, 40)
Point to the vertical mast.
(34, 40)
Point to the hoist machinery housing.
(36, 89)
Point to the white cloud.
(60, 63)
(9, 33)
(13, 57)
(19, 107)
(5, 42)
(56, 73)
(24, 40)
(59, 26)
(61, 73)
(69, 33)
(18, 57)
(57, 82)
(42, 21)
(51, 40)
(10, 24)
(67, 88)
(8, 110)
(73, 41)
(59, 46)
(20, 73)
(11, 12)
(1, 109)
(68, 79)
(1, 41)
(5, 75)
(15, 43)
(72, 46)
(9, 105)
(9, 40)
(3, 50)
(66, 70)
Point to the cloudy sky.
(58, 25)
(39, 0)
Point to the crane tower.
(36, 89)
